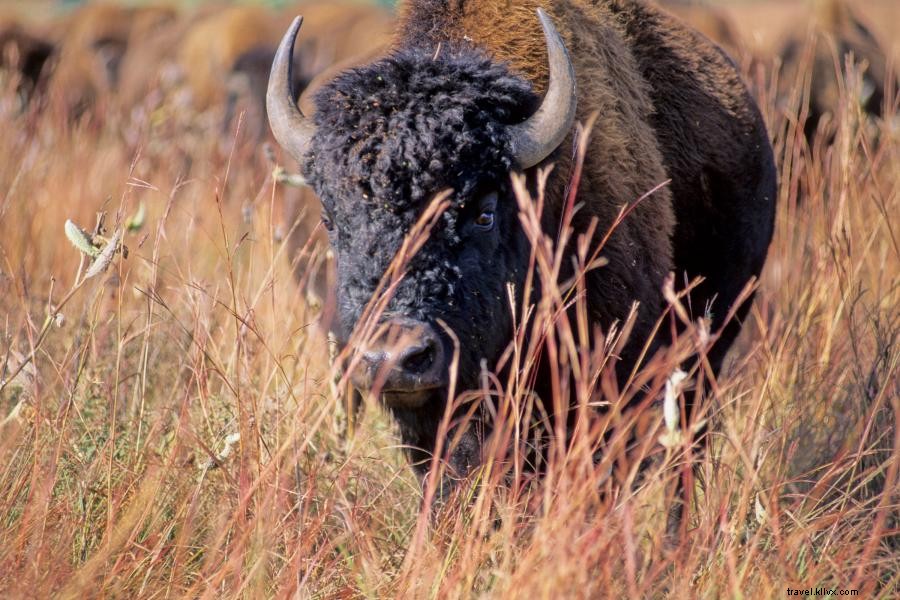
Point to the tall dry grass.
(176, 431)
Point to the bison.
(343, 35)
(471, 91)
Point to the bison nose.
(408, 358)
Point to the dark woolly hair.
(401, 129)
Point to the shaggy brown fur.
(623, 159)
(669, 105)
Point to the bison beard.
(442, 111)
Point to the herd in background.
(206, 65)
(104, 58)
(189, 74)
(785, 40)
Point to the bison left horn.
(291, 128)
(534, 140)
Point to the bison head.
(386, 139)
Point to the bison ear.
(291, 128)
(534, 140)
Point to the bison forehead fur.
(390, 136)
(393, 133)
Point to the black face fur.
(390, 137)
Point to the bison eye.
(486, 207)
(485, 220)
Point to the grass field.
(169, 427)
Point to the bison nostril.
(374, 360)
(419, 360)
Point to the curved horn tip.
(291, 128)
(286, 47)
(545, 20)
(543, 132)
(294, 29)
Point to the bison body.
(472, 91)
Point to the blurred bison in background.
(837, 34)
(149, 68)
(203, 67)
(336, 36)
(711, 21)
(213, 44)
(802, 44)
(471, 91)
(93, 42)
(338, 33)
(25, 58)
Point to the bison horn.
(291, 128)
(534, 140)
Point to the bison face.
(389, 138)
(454, 286)
(386, 139)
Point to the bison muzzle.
(406, 362)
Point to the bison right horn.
(534, 140)
(291, 128)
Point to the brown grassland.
(169, 427)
